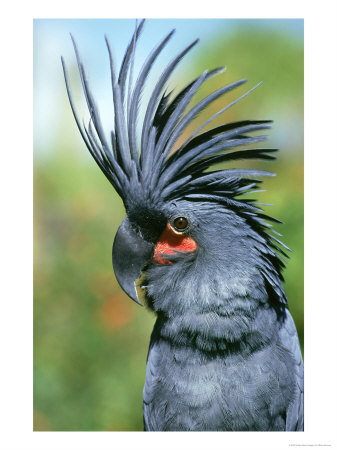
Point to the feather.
(132, 119)
(207, 135)
(120, 123)
(197, 109)
(149, 115)
(128, 57)
(220, 112)
(93, 110)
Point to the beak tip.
(136, 299)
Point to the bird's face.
(190, 236)
(151, 236)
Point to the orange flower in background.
(103, 284)
(115, 313)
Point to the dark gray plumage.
(224, 353)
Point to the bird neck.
(239, 325)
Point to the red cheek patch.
(171, 242)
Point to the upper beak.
(130, 253)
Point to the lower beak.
(130, 253)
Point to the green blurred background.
(90, 340)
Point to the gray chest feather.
(184, 390)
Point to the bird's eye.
(180, 223)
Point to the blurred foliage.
(90, 340)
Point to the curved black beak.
(130, 253)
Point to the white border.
(320, 234)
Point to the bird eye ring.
(180, 223)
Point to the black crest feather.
(154, 168)
(153, 171)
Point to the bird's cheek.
(171, 242)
